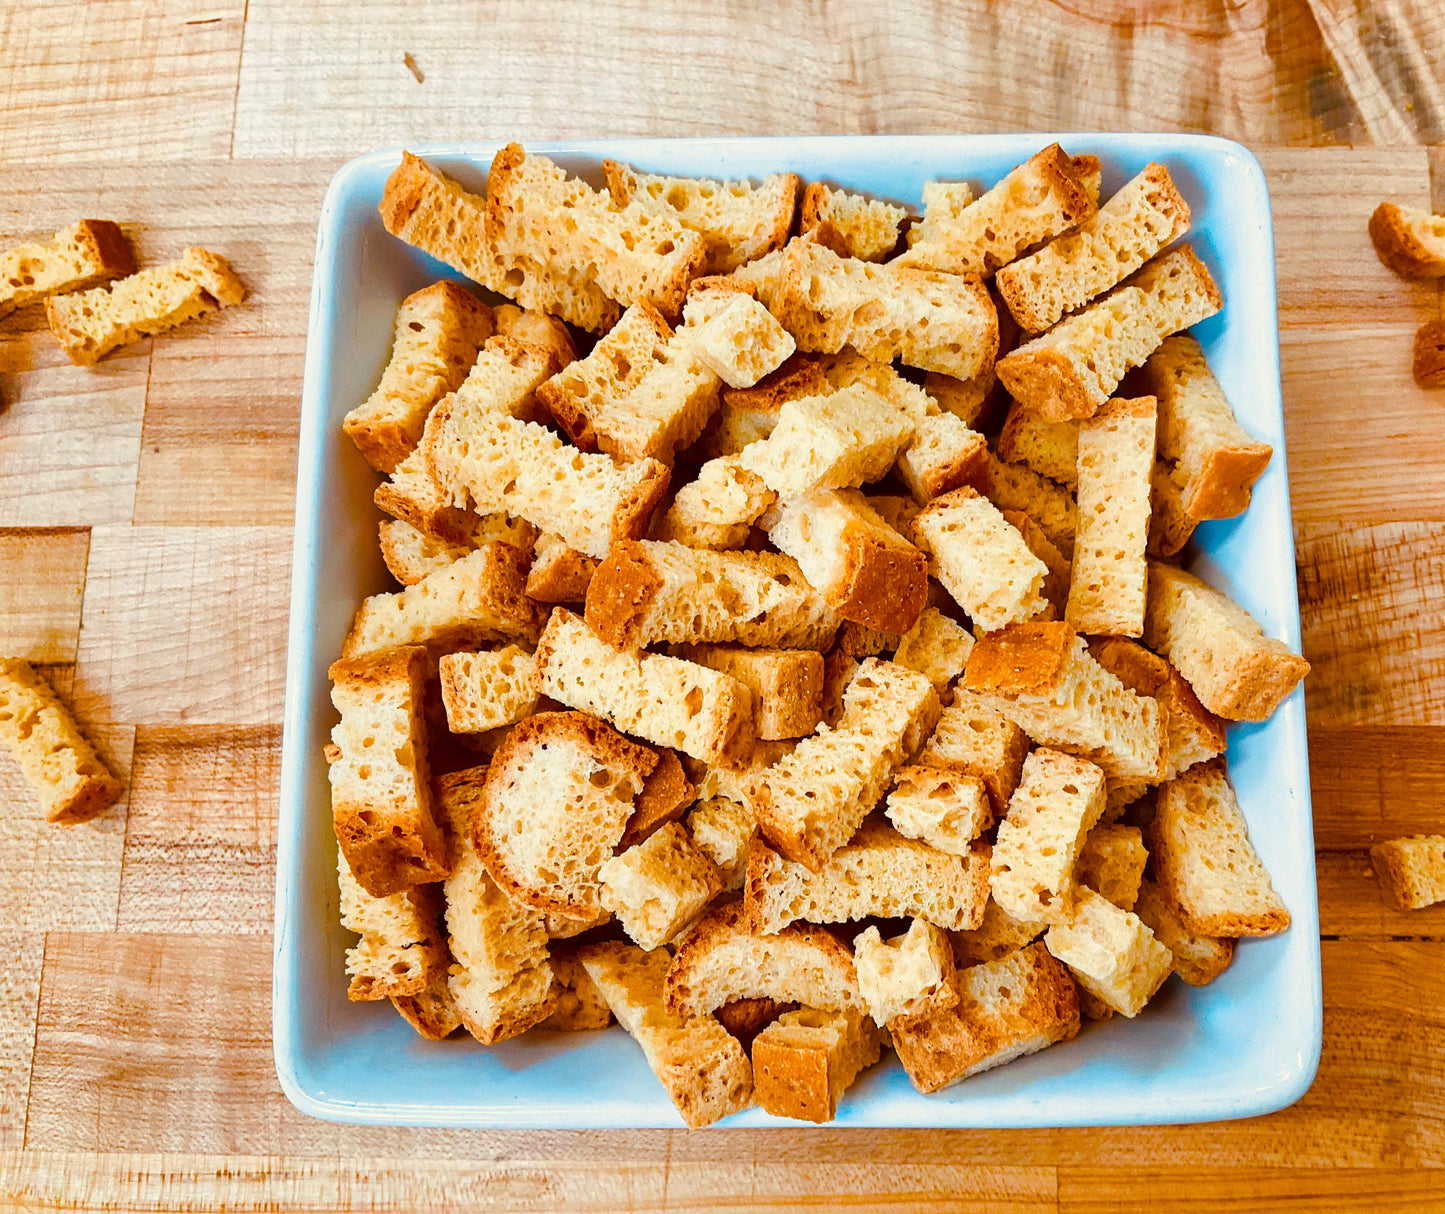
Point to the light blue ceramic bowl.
(1247, 1044)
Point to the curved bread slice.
(1409, 240)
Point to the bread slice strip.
(1409, 240)
(1017, 1005)
(1197, 959)
(439, 333)
(1234, 669)
(424, 207)
(997, 936)
(1050, 448)
(659, 886)
(75, 258)
(559, 574)
(942, 455)
(90, 324)
(1111, 953)
(1217, 459)
(1143, 217)
(1112, 861)
(1107, 590)
(739, 221)
(1060, 573)
(786, 684)
(1050, 505)
(471, 602)
(878, 872)
(1411, 870)
(665, 700)
(740, 341)
(482, 691)
(937, 647)
(721, 960)
(432, 1012)
(1169, 523)
(649, 592)
(942, 808)
(910, 975)
(1428, 360)
(1071, 370)
(748, 415)
(580, 1006)
(717, 509)
(981, 560)
(666, 794)
(557, 799)
(705, 1072)
(1035, 202)
(865, 570)
(411, 554)
(850, 224)
(1192, 733)
(812, 801)
(413, 496)
(721, 828)
(937, 322)
(401, 950)
(972, 738)
(381, 802)
(70, 781)
(1205, 865)
(805, 1060)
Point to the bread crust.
(1022, 659)
(561, 575)
(1429, 358)
(620, 594)
(1399, 248)
(666, 794)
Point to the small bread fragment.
(981, 560)
(1060, 569)
(666, 794)
(90, 324)
(667, 701)
(935, 646)
(432, 1012)
(559, 574)
(812, 801)
(1197, 959)
(1111, 953)
(74, 259)
(943, 455)
(411, 554)
(969, 400)
(413, 496)
(1109, 575)
(806, 1059)
(1111, 862)
(718, 509)
(972, 738)
(1017, 1005)
(741, 341)
(439, 332)
(942, 808)
(878, 872)
(579, 1006)
(748, 415)
(909, 975)
(850, 224)
(1409, 240)
(1050, 448)
(533, 327)
(381, 802)
(1143, 217)
(997, 936)
(659, 886)
(722, 828)
(1204, 863)
(705, 1072)
(1050, 505)
(787, 684)
(1236, 671)
(1429, 358)
(401, 950)
(1071, 370)
(482, 691)
(1411, 870)
(1169, 524)
(69, 779)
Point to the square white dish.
(1247, 1044)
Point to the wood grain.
(20, 955)
(1256, 1190)
(1374, 783)
(1353, 905)
(42, 579)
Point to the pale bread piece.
(657, 888)
(1428, 359)
(506, 378)
(721, 960)
(1192, 733)
(1111, 862)
(787, 684)
(412, 496)
(972, 738)
(739, 221)
(1107, 588)
(533, 327)
(865, 570)
(401, 951)
(666, 794)
(850, 224)
(1071, 370)
(1236, 671)
(943, 455)
(748, 415)
(806, 1059)
(1050, 505)
(718, 508)
(381, 802)
(90, 324)
(848, 367)
(909, 975)
(1017, 1005)
(722, 829)
(476, 600)
(1411, 870)
(1111, 953)
(667, 701)
(410, 554)
(1409, 240)
(741, 342)
(580, 1007)
(557, 800)
(1197, 959)
(942, 808)
(70, 781)
(936, 322)
(943, 205)
(1216, 457)
(1204, 863)
(432, 1012)
(762, 276)
(74, 259)
(1146, 215)
(1056, 805)
(1169, 524)
(981, 560)
(535, 210)
(703, 1068)
(997, 936)
(813, 800)
(424, 207)
(1036, 201)
(878, 872)
(937, 647)
(1050, 448)
(559, 574)
(647, 592)
(1060, 573)
(439, 333)
(488, 690)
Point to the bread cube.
(482, 691)
(943, 808)
(742, 342)
(1111, 863)
(786, 684)
(998, 935)
(974, 739)
(937, 647)
(806, 1060)
(1111, 953)
(1197, 959)
(1411, 870)
(910, 975)
(401, 951)
(659, 886)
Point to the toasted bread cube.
(806, 1060)
(666, 411)
(717, 509)
(75, 258)
(534, 327)
(974, 739)
(1205, 865)
(1111, 953)
(432, 1012)
(1409, 240)
(666, 794)
(1236, 671)
(1111, 863)
(1050, 505)
(939, 807)
(482, 691)
(741, 342)
(721, 828)
(580, 1006)
(849, 224)
(659, 886)
(997, 936)
(401, 951)
(705, 1072)
(943, 455)
(908, 975)
(1050, 448)
(559, 574)
(412, 495)
(1060, 573)
(787, 684)
(1411, 870)
(1017, 1005)
(1055, 806)
(1197, 959)
(748, 415)
(936, 647)
(411, 554)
